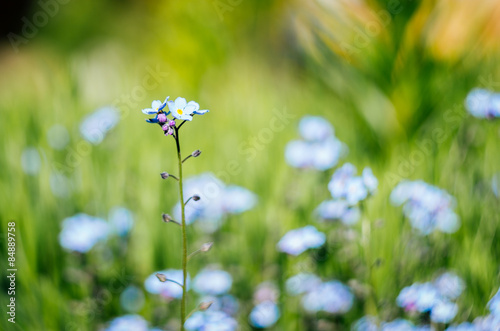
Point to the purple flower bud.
(169, 131)
(196, 197)
(172, 123)
(165, 127)
(164, 175)
(196, 153)
(162, 118)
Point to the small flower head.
(156, 107)
(196, 197)
(206, 247)
(299, 240)
(164, 175)
(196, 153)
(183, 110)
(161, 277)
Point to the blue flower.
(339, 210)
(494, 304)
(302, 283)
(128, 323)
(315, 128)
(81, 232)
(156, 107)
(332, 297)
(264, 315)
(366, 323)
(482, 103)
(398, 325)
(210, 320)
(449, 285)
(166, 289)
(444, 312)
(212, 282)
(299, 240)
(345, 185)
(183, 110)
(96, 125)
(122, 220)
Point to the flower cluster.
(180, 109)
(216, 201)
(428, 207)
(319, 149)
(347, 191)
(435, 298)
(482, 103)
(265, 313)
(299, 240)
(332, 297)
(81, 232)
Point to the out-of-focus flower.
(299, 240)
(266, 291)
(449, 285)
(495, 184)
(466, 326)
(427, 207)
(225, 303)
(128, 323)
(302, 283)
(332, 297)
(216, 201)
(81, 232)
(30, 161)
(57, 137)
(487, 323)
(444, 312)
(482, 103)
(345, 185)
(132, 299)
(418, 297)
(210, 321)
(494, 304)
(366, 323)
(121, 220)
(212, 282)
(397, 325)
(183, 110)
(338, 210)
(166, 289)
(320, 149)
(264, 315)
(96, 125)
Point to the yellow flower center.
(180, 112)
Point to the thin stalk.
(184, 236)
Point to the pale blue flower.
(418, 297)
(487, 323)
(121, 220)
(366, 323)
(95, 126)
(128, 323)
(238, 199)
(212, 282)
(183, 110)
(355, 191)
(369, 180)
(81, 232)
(482, 103)
(320, 155)
(494, 304)
(332, 297)
(166, 289)
(444, 311)
(339, 210)
(466, 326)
(397, 325)
(345, 185)
(302, 283)
(210, 321)
(225, 303)
(264, 315)
(449, 285)
(315, 128)
(299, 240)
(495, 184)
(156, 106)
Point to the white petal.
(180, 103)
(149, 111)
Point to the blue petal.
(201, 112)
(152, 120)
(149, 111)
(164, 104)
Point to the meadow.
(390, 84)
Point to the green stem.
(184, 236)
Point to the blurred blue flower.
(332, 297)
(495, 184)
(366, 323)
(121, 220)
(225, 303)
(212, 282)
(95, 126)
(320, 149)
(299, 240)
(210, 321)
(183, 110)
(482, 103)
(397, 325)
(81, 232)
(128, 323)
(217, 201)
(30, 161)
(466, 326)
(487, 323)
(132, 299)
(449, 285)
(315, 128)
(444, 311)
(339, 210)
(302, 283)
(418, 297)
(427, 207)
(166, 289)
(494, 304)
(266, 291)
(345, 185)
(264, 315)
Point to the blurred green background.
(386, 75)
